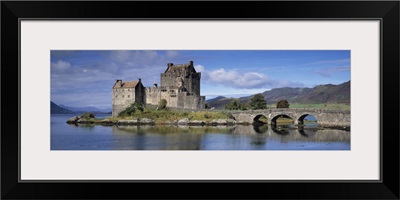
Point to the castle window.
(122, 96)
(171, 90)
(116, 95)
(129, 96)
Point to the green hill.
(327, 93)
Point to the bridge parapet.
(325, 117)
(314, 110)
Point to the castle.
(180, 86)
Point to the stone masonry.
(180, 86)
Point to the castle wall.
(121, 99)
(170, 94)
(194, 102)
(153, 95)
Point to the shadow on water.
(281, 130)
(308, 132)
(263, 128)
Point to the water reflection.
(226, 137)
(239, 137)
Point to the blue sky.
(85, 78)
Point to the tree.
(258, 102)
(162, 104)
(282, 104)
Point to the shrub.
(137, 106)
(282, 104)
(162, 105)
(87, 115)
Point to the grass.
(162, 116)
(332, 106)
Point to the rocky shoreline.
(147, 121)
(182, 122)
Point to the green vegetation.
(164, 115)
(282, 104)
(235, 104)
(283, 120)
(258, 102)
(134, 107)
(162, 105)
(332, 106)
(87, 115)
(263, 119)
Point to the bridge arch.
(300, 120)
(260, 119)
(276, 117)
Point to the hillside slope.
(327, 93)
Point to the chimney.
(119, 83)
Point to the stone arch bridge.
(325, 118)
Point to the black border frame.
(386, 11)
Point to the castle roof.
(180, 67)
(127, 84)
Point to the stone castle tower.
(180, 86)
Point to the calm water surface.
(72, 137)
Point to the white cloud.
(172, 54)
(236, 79)
(199, 68)
(60, 66)
(246, 80)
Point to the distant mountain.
(55, 109)
(328, 93)
(85, 109)
(218, 102)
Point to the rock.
(183, 121)
(84, 121)
(106, 122)
(222, 121)
(213, 122)
(230, 121)
(73, 120)
(171, 122)
(146, 121)
(196, 123)
(128, 121)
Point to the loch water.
(167, 137)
